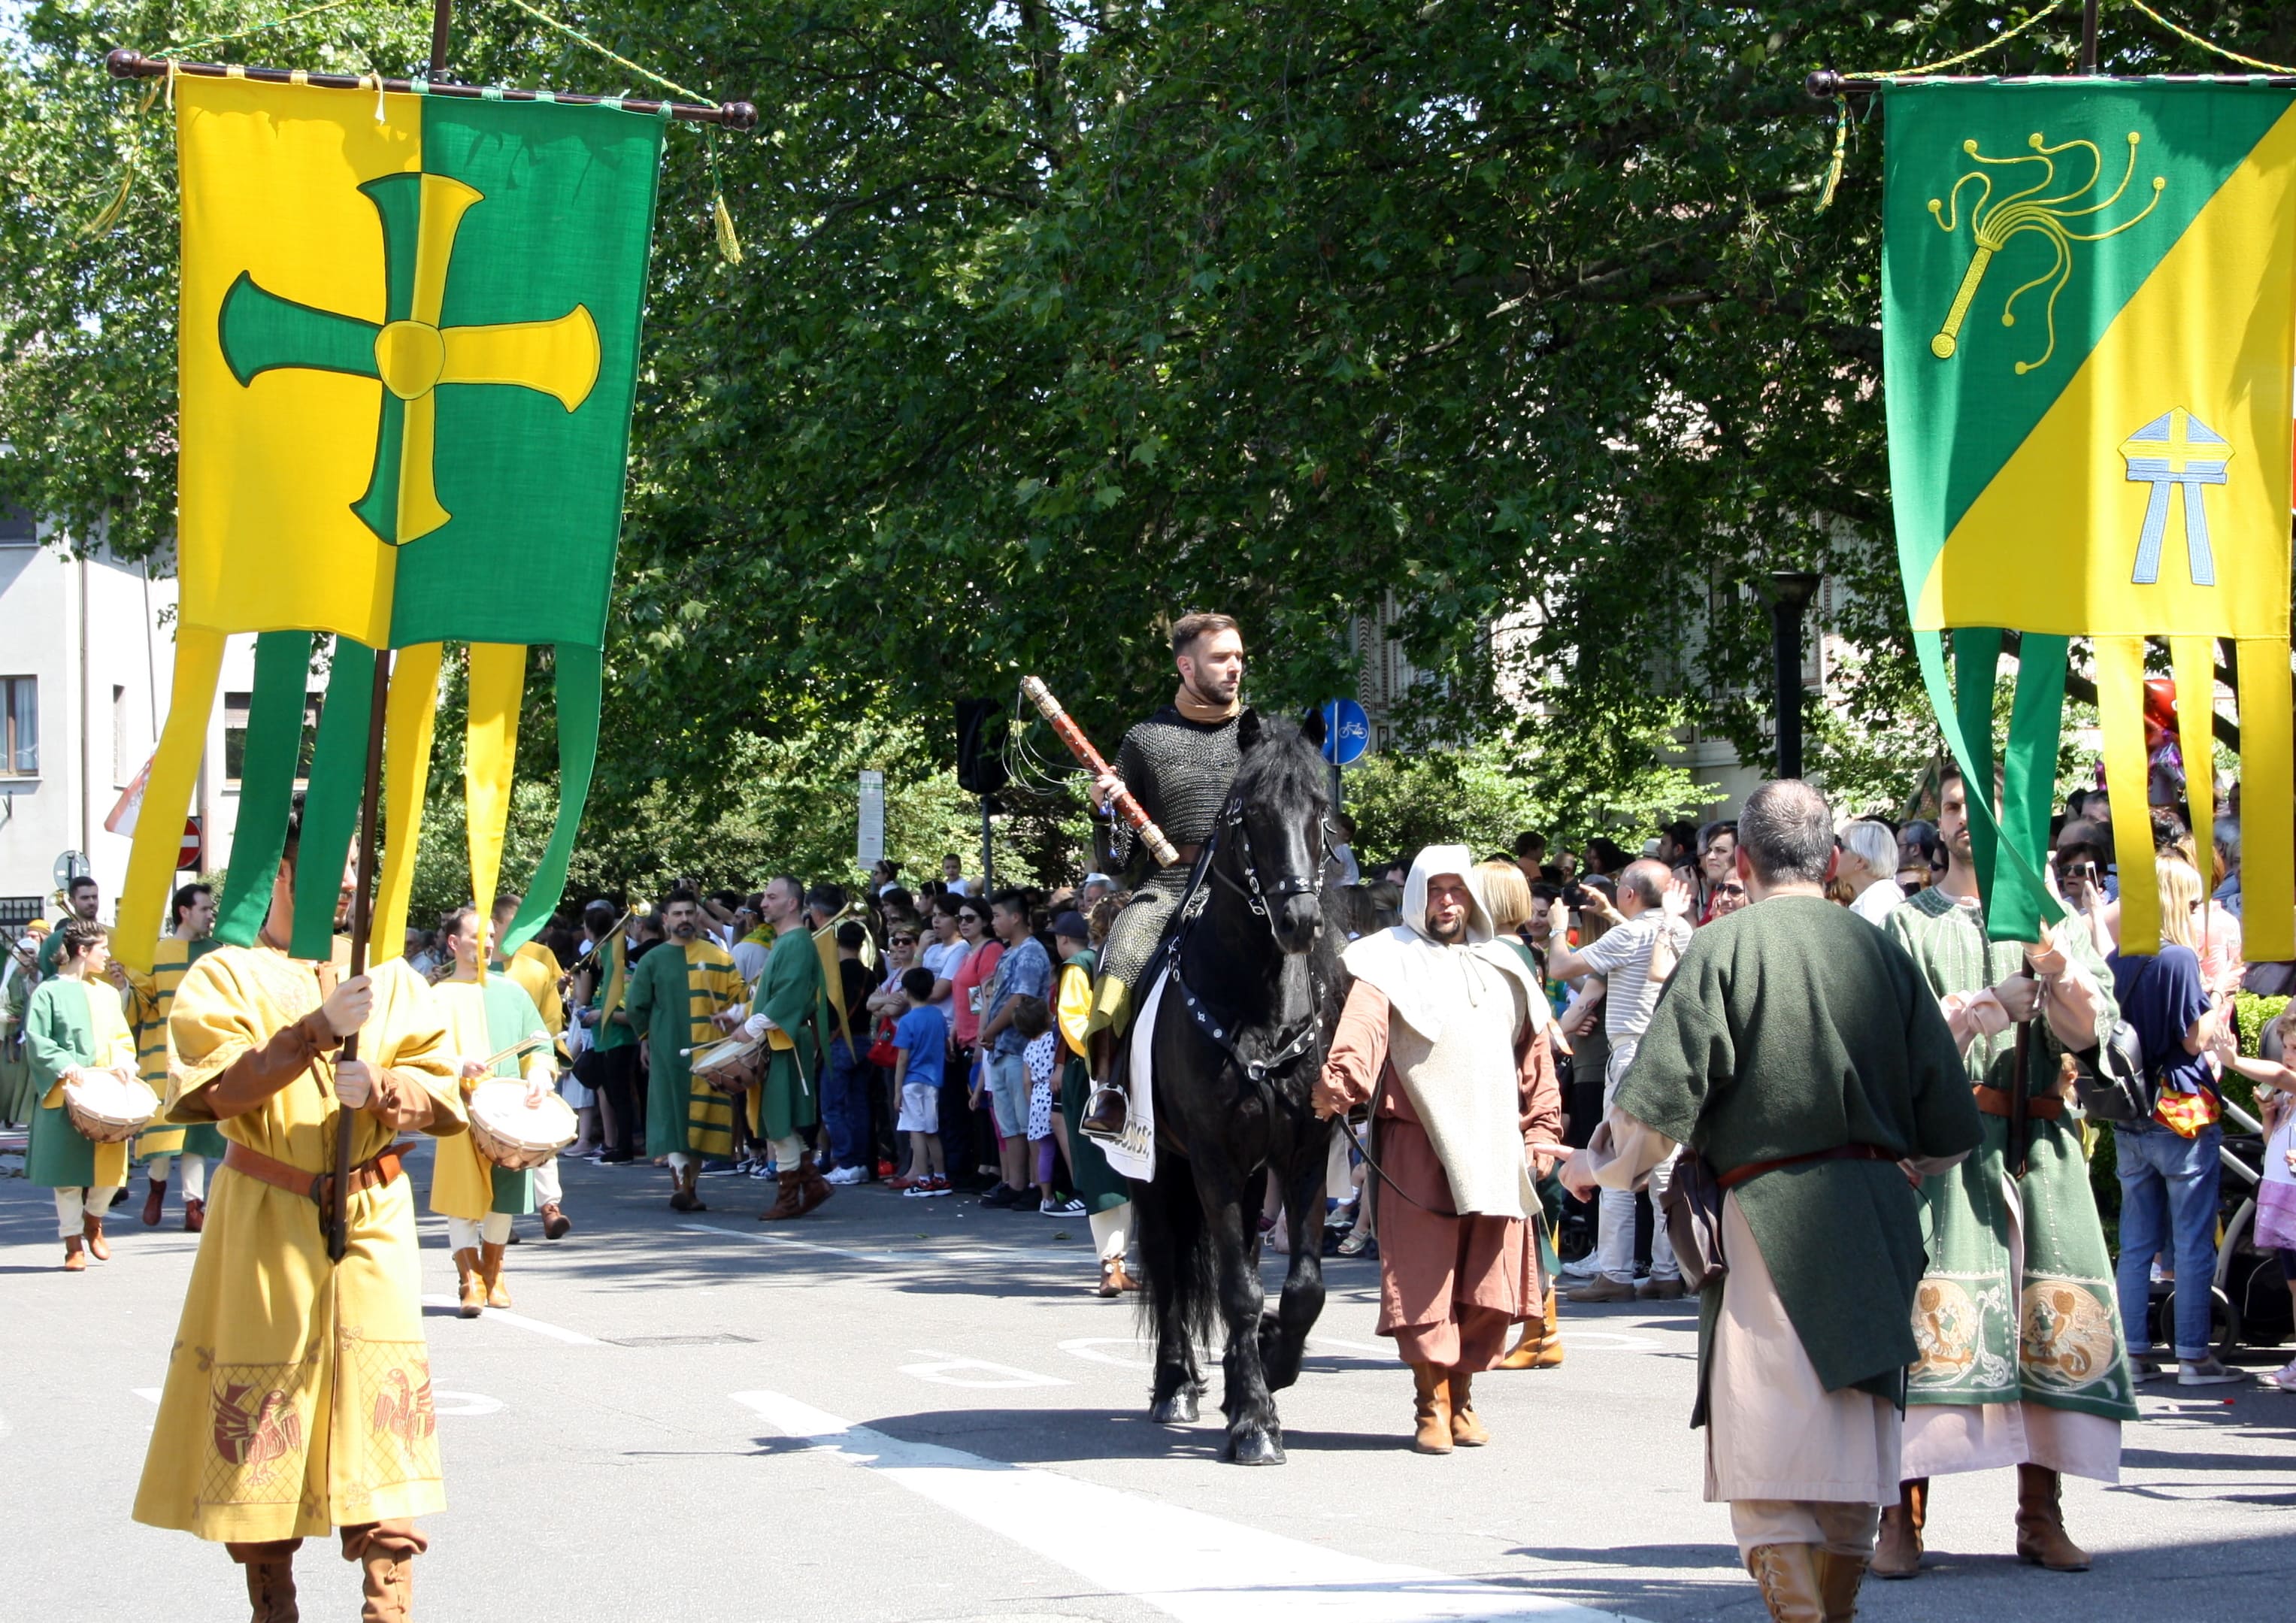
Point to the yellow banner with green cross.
(407, 350)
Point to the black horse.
(1239, 1038)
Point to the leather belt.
(1840, 1152)
(1995, 1102)
(315, 1186)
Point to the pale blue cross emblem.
(2176, 448)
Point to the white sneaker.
(2284, 1377)
(848, 1175)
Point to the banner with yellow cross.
(2089, 332)
(407, 350)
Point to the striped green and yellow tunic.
(150, 997)
(672, 994)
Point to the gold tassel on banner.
(729, 246)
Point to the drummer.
(74, 1029)
(477, 1198)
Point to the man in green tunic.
(792, 1013)
(1798, 1051)
(674, 995)
(2021, 1358)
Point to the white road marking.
(572, 1338)
(949, 1370)
(1089, 1347)
(887, 1260)
(1606, 1340)
(464, 1403)
(1187, 1564)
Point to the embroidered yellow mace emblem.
(1994, 221)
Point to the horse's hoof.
(1255, 1449)
(1177, 1410)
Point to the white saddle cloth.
(1134, 1155)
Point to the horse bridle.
(1256, 897)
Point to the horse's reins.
(1256, 898)
(1363, 1148)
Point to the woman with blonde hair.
(1506, 895)
(2168, 1166)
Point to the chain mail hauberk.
(1181, 772)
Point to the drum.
(108, 1109)
(513, 1135)
(733, 1066)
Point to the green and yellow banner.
(2089, 327)
(407, 350)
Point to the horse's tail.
(1176, 1257)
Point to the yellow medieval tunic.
(482, 1017)
(298, 1394)
(536, 969)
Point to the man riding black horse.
(1179, 763)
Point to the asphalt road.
(916, 1410)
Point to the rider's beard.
(1448, 932)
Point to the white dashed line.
(1187, 1565)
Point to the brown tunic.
(1450, 1287)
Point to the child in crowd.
(1032, 1018)
(921, 1035)
(2275, 1102)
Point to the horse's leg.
(1254, 1436)
(1284, 1333)
(1171, 1237)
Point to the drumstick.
(524, 1045)
(1129, 809)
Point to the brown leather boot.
(1787, 1574)
(195, 1214)
(490, 1266)
(555, 1223)
(75, 1255)
(90, 1228)
(1431, 1411)
(1839, 1578)
(271, 1590)
(155, 1196)
(681, 1197)
(812, 1186)
(469, 1289)
(2041, 1537)
(1113, 1280)
(1897, 1552)
(389, 1590)
(1540, 1346)
(789, 1197)
(1466, 1430)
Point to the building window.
(17, 527)
(236, 707)
(20, 725)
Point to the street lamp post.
(1791, 591)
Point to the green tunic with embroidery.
(794, 993)
(2053, 1338)
(1791, 1028)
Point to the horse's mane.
(1283, 768)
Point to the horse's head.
(1282, 798)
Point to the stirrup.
(1090, 1122)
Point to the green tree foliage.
(1059, 317)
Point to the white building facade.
(87, 657)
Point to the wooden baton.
(1073, 735)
